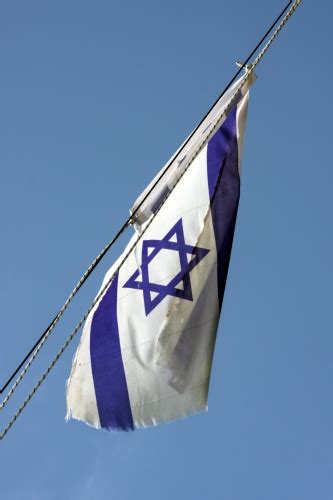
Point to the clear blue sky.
(94, 97)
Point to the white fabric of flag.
(146, 349)
(154, 193)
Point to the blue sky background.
(94, 97)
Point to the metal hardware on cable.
(100, 256)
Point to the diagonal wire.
(31, 355)
(78, 326)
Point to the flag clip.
(247, 67)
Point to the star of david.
(150, 249)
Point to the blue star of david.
(150, 248)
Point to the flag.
(146, 349)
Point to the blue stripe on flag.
(107, 365)
(224, 191)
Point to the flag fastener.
(247, 67)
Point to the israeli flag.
(146, 349)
